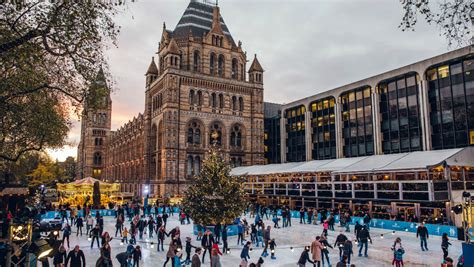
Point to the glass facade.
(271, 140)
(323, 122)
(357, 125)
(400, 114)
(451, 103)
(295, 127)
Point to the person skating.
(177, 259)
(363, 238)
(89, 224)
(122, 258)
(137, 256)
(342, 262)
(244, 254)
(161, 238)
(272, 244)
(275, 220)
(196, 261)
(76, 258)
(367, 219)
(105, 259)
(445, 245)
(215, 258)
(240, 232)
(266, 239)
(398, 257)
(66, 234)
(175, 234)
(325, 227)
(217, 233)
(141, 227)
(118, 225)
(304, 258)
(94, 234)
(188, 248)
(171, 253)
(325, 250)
(225, 247)
(165, 218)
(347, 251)
(422, 233)
(79, 225)
(339, 243)
(125, 235)
(316, 250)
(151, 226)
(357, 228)
(60, 257)
(348, 220)
(302, 220)
(206, 243)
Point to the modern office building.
(271, 139)
(401, 142)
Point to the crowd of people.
(136, 225)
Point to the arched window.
(97, 159)
(236, 137)
(215, 128)
(241, 104)
(191, 97)
(197, 165)
(199, 98)
(221, 66)
(189, 168)
(235, 68)
(221, 101)
(196, 61)
(212, 63)
(194, 133)
(213, 100)
(234, 103)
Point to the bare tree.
(453, 18)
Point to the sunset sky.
(305, 46)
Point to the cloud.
(304, 46)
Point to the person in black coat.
(188, 248)
(122, 258)
(76, 257)
(364, 237)
(60, 256)
(79, 224)
(225, 247)
(340, 240)
(137, 256)
(206, 243)
(422, 233)
(217, 233)
(95, 233)
(304, 258)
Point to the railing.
(419, 190)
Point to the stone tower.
(95, 130)
(199, 86)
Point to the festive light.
(152, 245)
(406, 229)
(89, 239)
(292, 249)
(381, 236)
(121, 243)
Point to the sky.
(305, 47)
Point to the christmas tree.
(215, 196)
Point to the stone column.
(424, 114)
(308, 138)
(338, 118)
(283, 135)
(376, 122)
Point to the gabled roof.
(197, 18)
(173, 47)
(256, 65)
(152, 69)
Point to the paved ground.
(296, 236)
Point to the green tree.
(51, 52)
(215, 196)
(454, 18)
(43, 174)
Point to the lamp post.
(146, 192)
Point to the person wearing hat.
(188, 248)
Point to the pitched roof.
(197, 18)
(255, 65)
(173, 47)
(152, 69)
